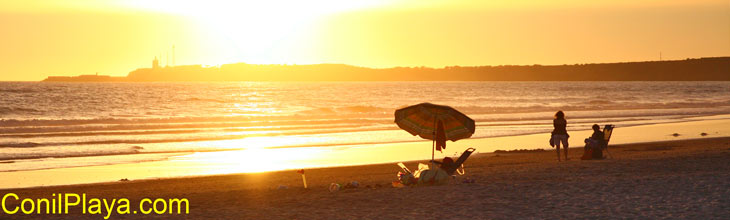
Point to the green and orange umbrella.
(422, 120)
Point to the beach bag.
(597, 154)
(592, 151)
(433, 177)
(587, 154)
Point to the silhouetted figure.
(594, 144)
(597, 133)
(560, 134)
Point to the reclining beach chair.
(451, 168)
(607, 131)
(428, 175)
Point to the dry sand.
(676, 179)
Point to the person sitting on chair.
(452, 166)
(596, 138)
(595, 142)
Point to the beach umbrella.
(425, 119)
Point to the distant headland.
(700, 69)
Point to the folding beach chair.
(459, 163)
(607, 131)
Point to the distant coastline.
(85, 78)
(699, 69)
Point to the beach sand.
(670, 179)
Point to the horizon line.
(391, 67)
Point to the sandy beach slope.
(673, 179)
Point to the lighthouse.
(155, 63)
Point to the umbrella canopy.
(422, 120)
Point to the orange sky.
(42, 37)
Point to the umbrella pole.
(433, 143)
(433, 149)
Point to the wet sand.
(671, 179)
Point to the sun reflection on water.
(259, 142)
(254, 160)
(261, 157)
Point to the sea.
(46, 125)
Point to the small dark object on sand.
(468, 180)
(703, 134)
(352, 185)
(377, 185)
(675, 134)
(124, 180)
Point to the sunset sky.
(41, 38)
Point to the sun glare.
(252, 160)
(255, 31)
(215, 8)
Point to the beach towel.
(440, 136)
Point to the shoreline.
(477, 154)
(680, 179)
(269, 160)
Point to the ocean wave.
(598, 105)
(119, 141)
(47, 133)
(36, 132)
(375, 130)
(355, 114)
(61, 154)
(61, 160)
(317, 111)
(23, 90)
(192, 121)
(18, 111)
(355, 109)
(149, 128)
(362, 109)
(194, 99)
(212, 136)
(20, 145)
(600, 102)
(189, 125)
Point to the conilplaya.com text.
(65, 203)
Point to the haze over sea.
(54, 125)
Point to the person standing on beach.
(560, 134)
